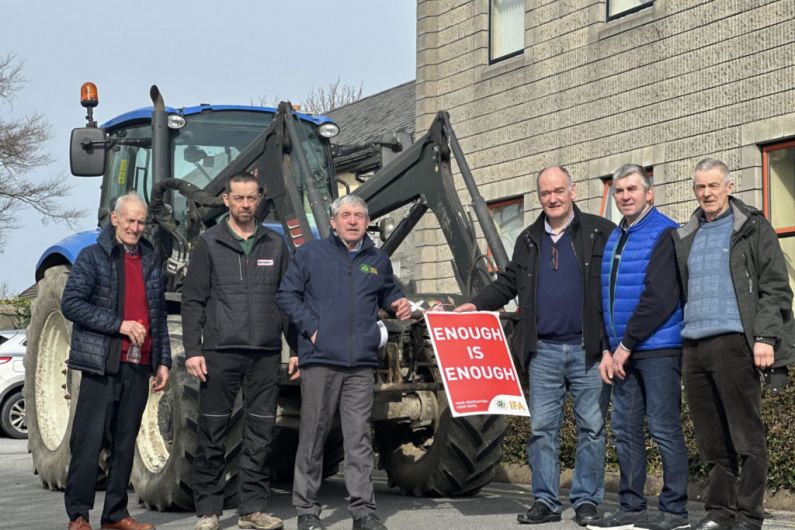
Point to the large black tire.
(12, 416)
(50, 388)
(458, 460)
(454, 457)
(168, 439)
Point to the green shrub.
(778, 412)
(17, 310)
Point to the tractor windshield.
(200, 150)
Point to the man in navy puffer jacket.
(116, 300)
(643, 322)
(332, 292)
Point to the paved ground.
(25, 505)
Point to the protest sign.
(476, 366)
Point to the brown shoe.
(128, 523)
(79, 524)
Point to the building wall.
(663, 87)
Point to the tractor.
(178, 160)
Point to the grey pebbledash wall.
(662, 87)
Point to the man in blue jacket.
(115, 298)
(332, 292)
(643, 322)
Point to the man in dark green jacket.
(737, 300)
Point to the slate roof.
(392, 110)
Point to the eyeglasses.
(555, 258)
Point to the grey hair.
(561, 168)
(124, 199)
(353, 200)
(633, 169)
(712, 163)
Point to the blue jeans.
(652, 388)
(554, 369)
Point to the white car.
(12, 376)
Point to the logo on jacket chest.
(368, 269)
(264, 262)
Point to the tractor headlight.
(328, 130)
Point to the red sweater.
(135, 305)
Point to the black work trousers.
(725, 400)
(227, 371)
(109, 407)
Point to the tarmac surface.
(24, 504)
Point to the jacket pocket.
(231, 330)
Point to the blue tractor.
(178, 160)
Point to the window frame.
(644, 5)
(786, 231)
(493, 205)
(492, 59)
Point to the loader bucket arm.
(422, 175)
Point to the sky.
(198, 51)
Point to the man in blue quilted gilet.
(643, 323)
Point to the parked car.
(12, 376)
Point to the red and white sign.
(477, 369)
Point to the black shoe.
(310, 522)
(585, 513)
(368, 521)
(710, 524)
(665, 521)
(539, 513)
(745, 525)
(620, 520)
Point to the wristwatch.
(766, 340)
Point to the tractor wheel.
(458, 459)
(168, 439)
(50, 388)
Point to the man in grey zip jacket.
(737, 300)
(232, 331)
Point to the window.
(508, 215)
(506, 29)
(619, 8)
(778, 180)
(608, 208)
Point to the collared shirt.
(557, 235)
(703, 218)
(623, 223)
(245, 243)
(353, 250)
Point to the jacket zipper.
(240, 267)
(350, 329)
(748, 274)
(611, 299)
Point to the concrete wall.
(663, 87)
